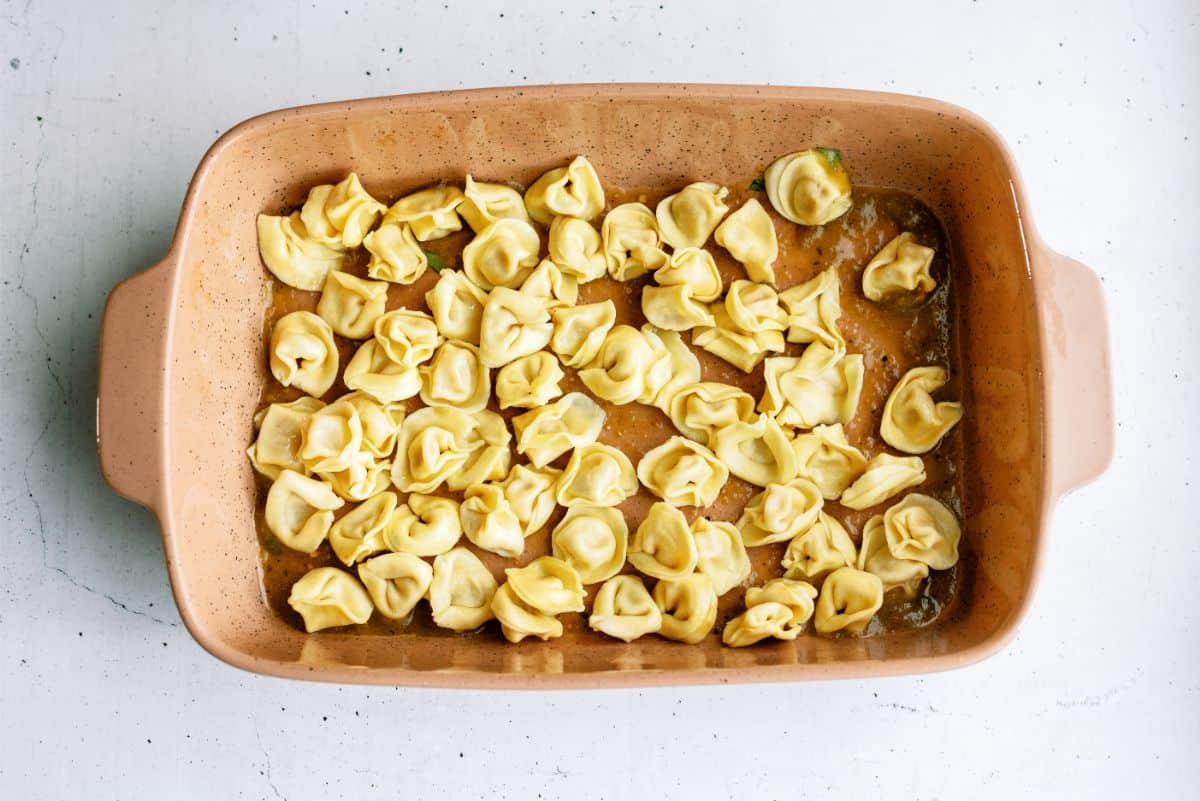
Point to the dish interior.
(989, 469)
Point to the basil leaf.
(832, 155)
(757, 185)
(435, 261)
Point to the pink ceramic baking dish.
(181, 359)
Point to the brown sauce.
(891, 341)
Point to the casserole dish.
(181, 362)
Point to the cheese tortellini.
(849, 599)
(396, 255)
(826, 457)
(688, 606)
(885, 476)
(299, 510)
(331, 437)
(813, 309)
(797, 596)
(527, 604)
(749, 236)
(514, 325)
(571, 191)
(618, 374)
(754, 308)
(593, 540)
(819, 387)
(292, 255)
(874, 556)
(743, 349)
(359, 532)
(351, 305)
(758, 622)
(341, 214)
(663, 546)
(461, 592)
(551, 285)
(596, 475)
(431, 213)
(372, 371)
(810, 187)
(456, 377)
(688, 217)
(695, 269)
(922, 529)
(673, 367)
(424, 525)
(822, 546)
(548, 432)
(408, 337)
(280, 428)
(899, 274)
(503, 254)
(303, 354)
(674, 308)
(530, 491)
(780, 512)
(759, 452)
(702, 409)
(489, 521)
(683, 473)
(438, 444)
(632, 245)
(720, 553)
(327, 597)
(579, 331)
(380, 422)
(484, 203)
(519, 620)
(396, 582)
(912, 421)
(529, 382)
(576, 247)
(624, 609)
(457, 306)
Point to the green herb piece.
(832, 155)
(757, 185)
(435, 261)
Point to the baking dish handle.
(1079, 406)
(132, 386)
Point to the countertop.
(106, 109)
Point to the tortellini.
(548, 432)
(813, 309)
(327, 597)
(593, 540)
(293, 257)
(396, 255)
(490, 458)
(797, 596)
(922, 529)
(551, 286)
(754, 308)
(503, 254)
(408, 337)
(780, 512)
(341, 214)
(742, 349)
(331, 438)
(519, 620)
(673, 367)
(720, 553)
(663, 545)
(912, 421)
(438, 443)
(899, 274)
(280, 427)
(366, 476)
(575, 246)
(749, 236)
(618, 374)
(461, 592)
(693, 268)
(885, 476)
(688, 217)
(674, 308)
(425, 525)
(849, 599)
(490, 522)
(596, 475)
(810, 187)
(702, 409)
(548, 584)
(632, 246)
(874, 556)
(624, 609)
(571, 191)
(514, 325)
(683, 473)
(767, 619)
(456, 377)
(485, 203)
(529, 382)
(688, 606)
(372, 371)
(579, 331)
(303, 354)
(359, 532)
(430, 213)
(380, 422)
(351, 305)
(826, 457)
(457, 306)
(759, 452)
(530, 491)
(817, 388)
(396, 582)
(819, 548)
(299, 510)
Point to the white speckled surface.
(103, 694)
